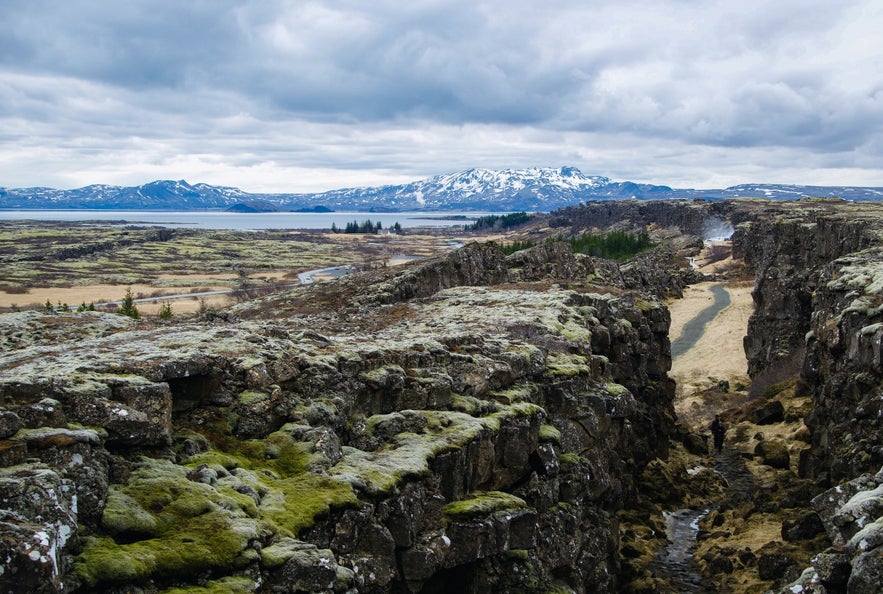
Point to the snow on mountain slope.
(531, 189)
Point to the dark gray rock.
(769, 413)
(38, 521)
(10, 423)
(773, 565)
(773, 453)
(867, 573)
(805, 526)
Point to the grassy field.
(74, 263)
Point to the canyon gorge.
(472, 422)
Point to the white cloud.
(275, 96)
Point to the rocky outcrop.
(852, 515)
(468, 423)
(694, 217)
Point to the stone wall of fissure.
(816, 298)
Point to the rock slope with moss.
(473, 421)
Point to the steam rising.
(716, 230)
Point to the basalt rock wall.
(787, 253)
(844, 364)
(422, 436)
(816, 296)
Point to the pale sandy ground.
(718, 355)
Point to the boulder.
(768, 413)
(10, 423)
(773, 563)
(803, 526)
(773, 453)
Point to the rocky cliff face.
(787, 249)
(816, 295)
(694, 217)
(844, 363)
(470, 423)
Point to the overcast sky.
(290, 96)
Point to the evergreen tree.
(128, 306)
(165, 312)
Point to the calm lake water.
(247, 221)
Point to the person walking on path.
(718, 430)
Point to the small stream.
(675, 562)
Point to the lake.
(246, 221)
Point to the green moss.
(776, 389)
(518, 554)
(408, 454)
(566, 365)
(210, 542)
(295, 503)
(616, 390)
(569, 459)
(122, 514)
(645, 305)
(188, 526)
(252, 397)
(550, 434)
(482, 504)
(520, 393)
(227, 585)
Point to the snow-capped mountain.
(534, 189)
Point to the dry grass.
(74, 264)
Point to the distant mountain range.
(535, 189)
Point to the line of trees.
(499, 221)
(365, 226)
(615, 245)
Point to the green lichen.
(550, 434)
(482, 504)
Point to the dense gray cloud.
(294, 96)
